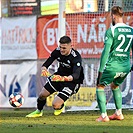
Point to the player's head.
(65, 45)
(116, 14)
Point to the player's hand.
(99, 77)
(45, 72)
(58, 78)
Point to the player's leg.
(68, 89)
(58, 105)
(118, 103)
(101, 100)
(117, 97)
(47, 90)
(41, 101)
(106, 78)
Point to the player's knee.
(43, 94)
(41, 97)
(113, 86)
(100, 86)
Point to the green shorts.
(112, 76)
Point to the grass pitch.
(14, 121)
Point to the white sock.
(104, 115)
(118, 111)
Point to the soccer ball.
(16, 99)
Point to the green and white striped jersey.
(117, 45)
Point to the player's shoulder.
(74, 53)
(108, 32)
(56, 51)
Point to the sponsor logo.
(50, 34)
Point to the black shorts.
(65, 89)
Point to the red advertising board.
(46, 35)
(87, 31)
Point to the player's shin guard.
(101, 99)
(117, 98)
(40, 103)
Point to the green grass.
(14, 121)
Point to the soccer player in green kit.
(114, 64)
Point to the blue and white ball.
(16, 99)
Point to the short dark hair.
(65, 39)
(117, 10)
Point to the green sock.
(101, 99)
(117, 98)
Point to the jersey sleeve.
(77, 66)
(51, 59)
(108, 40)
